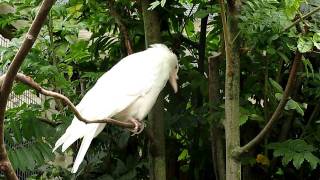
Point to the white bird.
(127, 91)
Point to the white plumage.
(127, 91)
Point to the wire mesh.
(15, 101)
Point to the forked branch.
(276, 115)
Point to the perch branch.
(276, 114)
(5, 165)
(30, 82)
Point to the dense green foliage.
(66, 62)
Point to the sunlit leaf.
(305, 44)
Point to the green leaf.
(189, 27)
(296, 150)
(278, 96)
(292, 7)
(312, 160)
(163, 2)
(36, 155)
(19, 88)
(308, 66)
(45, 151)
(279, 172)
(283, 56)
(29, 162)
(275, 85)
(13, 158)
(305, 44)
(183, 155)
(28, 128)
(298, 160)
(316, 40)
(243, 119)
(16, 161)
(71, 39)
(153, 5)
(201, 13)
(22, 160)
(15, 126)
(291, 104)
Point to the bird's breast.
(141, 107)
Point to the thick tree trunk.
(156, 119)
(232, 83)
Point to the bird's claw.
(138, 126)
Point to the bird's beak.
(173, 81)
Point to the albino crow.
(126, 92)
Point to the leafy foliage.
(28, 145)
(295, 150)
(81, 40)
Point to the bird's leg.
(138, 126)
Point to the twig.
(300, 19)
(188, 16)
(122, 26)
(276, 114)
(31, 36)
(29, 81)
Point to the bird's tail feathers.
(82, 151)
(73, 132)
(60, 141)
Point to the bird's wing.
(116, 90)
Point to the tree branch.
(122, 26)
(300, 19)
(31, 83)
(276, 114)
(5, 165)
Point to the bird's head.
(169, 61)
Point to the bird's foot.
(138, 126)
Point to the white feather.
(129, 89)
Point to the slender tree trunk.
(216, 130)
(5, 164)
(157, 146)
(232, 83)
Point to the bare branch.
(276, 114)
(5, 165)
(30, 82)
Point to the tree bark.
(276, 114)
(5, 165)
(122, 26)
(216, 129)
(232, 86)
(156, 116)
